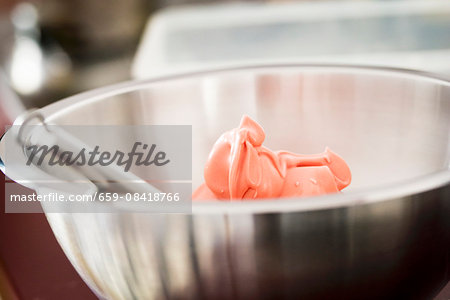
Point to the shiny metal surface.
(388, 236)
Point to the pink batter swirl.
(240, 167)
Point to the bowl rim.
(385, 192)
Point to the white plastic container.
(405, 34)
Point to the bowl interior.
(389, 126)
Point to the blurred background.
(51, 49)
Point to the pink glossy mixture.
(240, 167)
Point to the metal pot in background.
(386, 237)
(59, 48)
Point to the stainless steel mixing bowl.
(387, 236)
